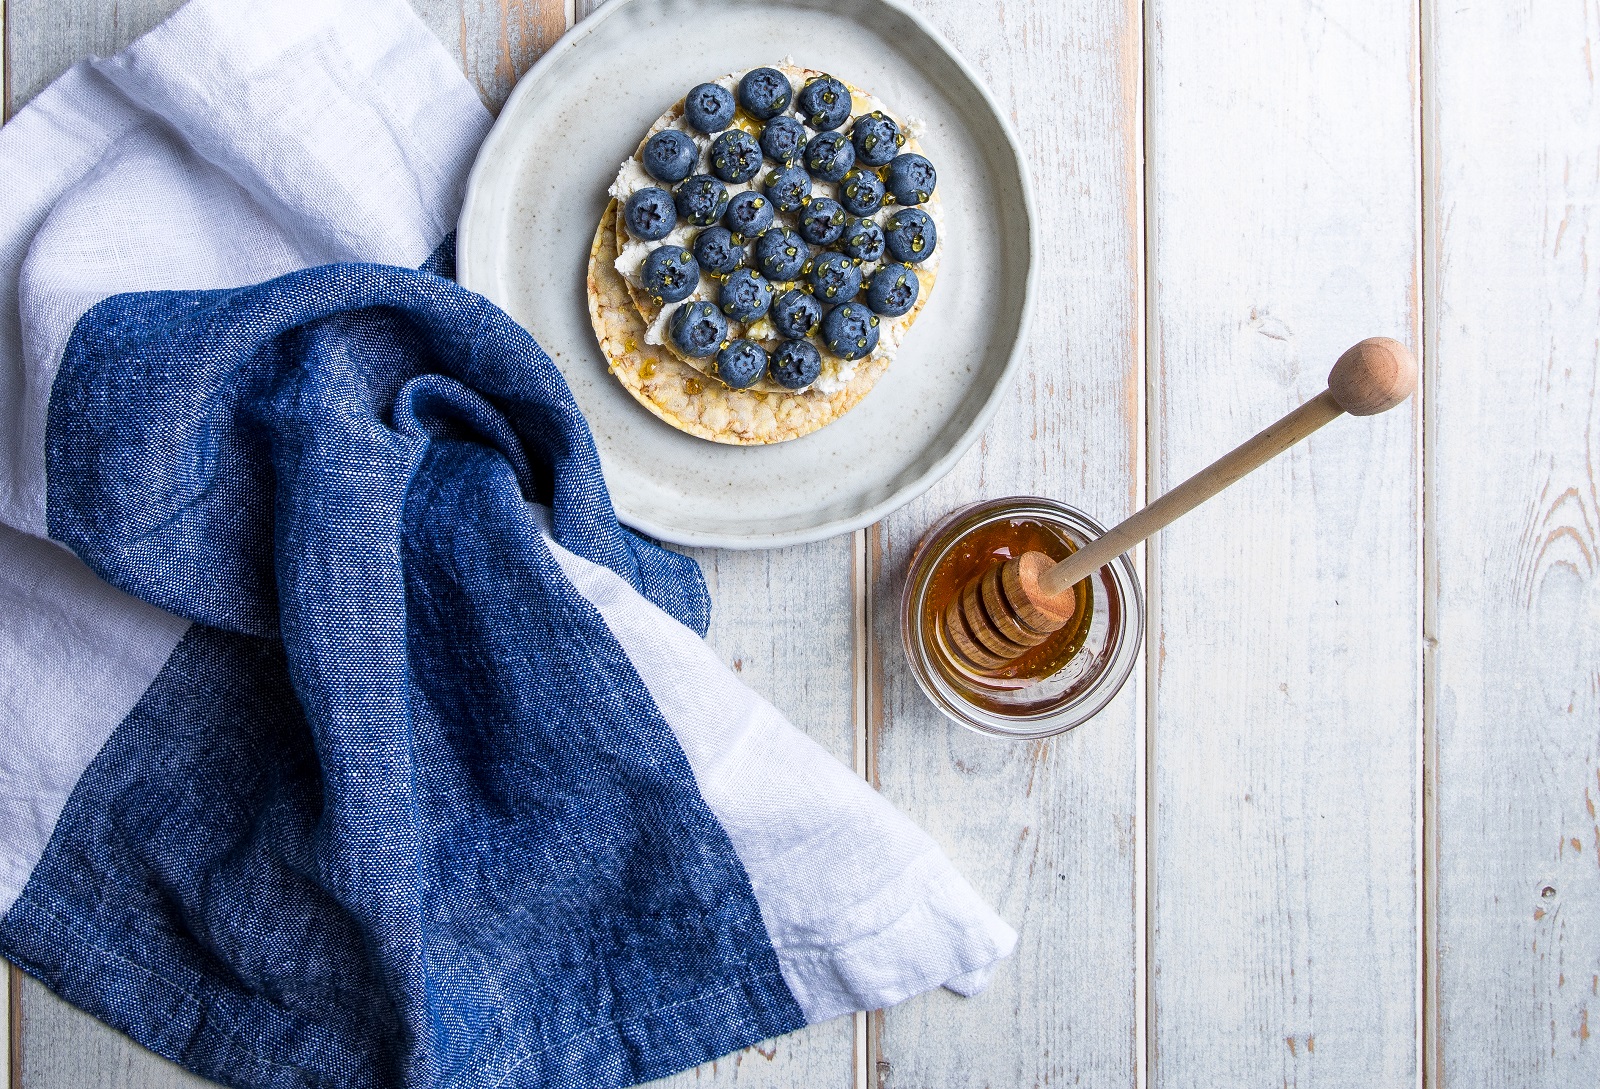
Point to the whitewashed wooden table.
(1341, 829)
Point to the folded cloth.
(345, 737)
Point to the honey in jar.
(989, 546)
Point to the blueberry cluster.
(808, 279)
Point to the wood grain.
(1283, 188)
(497, 40)
(1513, 308)
(9, 1024)
(44, 37)
(1049, 831)
(61, 1047)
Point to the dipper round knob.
(1373, 376)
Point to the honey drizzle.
(972, 556)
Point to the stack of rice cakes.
(633, 328)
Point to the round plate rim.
(941, 466)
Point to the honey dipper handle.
(1191, 493)
(1371, 377)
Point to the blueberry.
(910, 178)
(717, 251)
(893, 290)
(795, 314)
(780, 254)
(877, 138)
(796, 364)
(701, 200)
(650, 214)
(829, 156)
(745, 296)
(824, 102)
(787, 187)
(863, 240)
(697, 329)
(669, 155)
(782, 139)
(822, 221)
(749, 213)
(764, 93)
(861, 192)
(708, 107)
(850, 331)
(910, 235)
(670, 273)
(834, 278)
(735, 156)
(741, 363)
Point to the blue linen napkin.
(345, 737)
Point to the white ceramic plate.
(539, 186)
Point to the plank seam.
(11, 1007)
(862, 1036)
(1146, 808)
(5, 65)
(1430, 1074)
(10, 989)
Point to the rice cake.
(684, 391)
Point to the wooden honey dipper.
(1016, 605)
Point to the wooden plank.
(1048, 832)
(61, 1047)
(497, 40)
(1513, 312)
(46, 36)
(9, 1023)
(783, 619)
(1283, 198)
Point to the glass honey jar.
(1059, 684)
